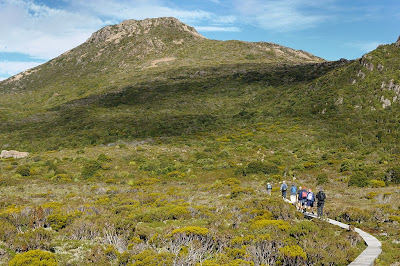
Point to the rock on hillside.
(13, 154)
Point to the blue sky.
(35, 31)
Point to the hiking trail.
(374, 246)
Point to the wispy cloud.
(365, 47)
(282, 15)
(222, 29)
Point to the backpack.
(293, 190)
(304, 194)
(269, 186)
(284, 187)
(310, 196)
(321, 196)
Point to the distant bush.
(393, 175)
(104, 158)
(151, 257)
(256, 167)
(23, 170)
(346, 165)
(236, 191)
(322, 179)
(358, 179)
(377, 183)
(90, 168)
(34, 257)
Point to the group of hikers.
(302, 197)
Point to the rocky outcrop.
(13, 154)
(132, 27)
(397, 44)
(365, 63)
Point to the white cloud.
(44, 32)
(40, 31)
(282, 15)
(212, 28)
(12, 68)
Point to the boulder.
(13, 154)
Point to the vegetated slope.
(147, 78)
(361, 99)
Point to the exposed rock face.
(365, 63)
(397, 44)
(13, 154)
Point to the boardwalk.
(374, 246)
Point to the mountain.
(141, 67)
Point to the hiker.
(321, 201)
(299, 198)
(302, 198)
(310, 201)
(269, 188)
(293, 194)
(284, 189)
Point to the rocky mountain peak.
(131, 28)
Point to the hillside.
(151, 145)
(147, 67)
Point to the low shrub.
(322, 179)
(358, 179)
(236, 191)
(23, 170)
(376, 183)
(34, 257)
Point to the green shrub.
(393, 175)
(151, 257)
(90, 168)
(346, 165)
(261, 167)
(34, 257)
(58, 221)
(376, 183)
(322, 179)
(358, 179)
(104, 158)
(23, 170)
(236, 191)
(293, 255)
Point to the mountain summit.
(146, 27)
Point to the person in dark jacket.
(283, 189)
(321, 201)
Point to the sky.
(35, 31)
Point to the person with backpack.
(293, 193)
(269, 188)
(284, 189)
(310, 201)
(321, 201)
(302, 196)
